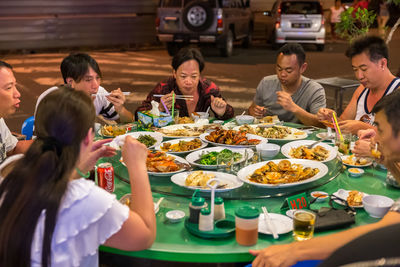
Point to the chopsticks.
(270, 225)
(106, 94)
(184, 97)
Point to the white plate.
(175, 141)
(249, 136)
(124, 197)
(181, 126)
(343, 194)
(119, 140)
(106, 136)
(285, 150)
(283, 224)
(194, 156)
(291, 136)
(177, 158)
(244, 173)
(323, 135)
(369, 162)
(230, 180)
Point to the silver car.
(299, 21)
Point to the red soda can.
(105, 176)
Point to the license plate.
(301, 25)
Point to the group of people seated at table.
(52, 216)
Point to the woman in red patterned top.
(187, 65)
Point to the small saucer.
(175, 216)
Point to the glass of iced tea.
(246, 224)
(303, 225)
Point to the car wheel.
(197, 16)
(320, 47)
(173, 48)
(227, 48)
(248, 39)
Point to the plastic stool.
(27, 127)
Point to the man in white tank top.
(369, 59)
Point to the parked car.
(219, 22)
(300, 21)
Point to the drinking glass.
(256, 157)
(224, 164)
(303, 225)
(343, 144)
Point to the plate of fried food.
(149, 139)
(353, 161)
(283, 173)
(353, 197)
(181, 146)
(184, 120)
(112, 130)
(276, 132)
(182, 130)
(207, 158)
(198, 180)
(298, 150)
(269, 120)
(232, 138)
(162, 164)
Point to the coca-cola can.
(105, 176)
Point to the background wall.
(30, 24)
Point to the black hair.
(39, 180)
(4, 64)
(390, 104)
(186, 54)
(373, 46)
(76, 65)
(293, 49)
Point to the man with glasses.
(288, 94)
(81, 72)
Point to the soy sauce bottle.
(195, 207)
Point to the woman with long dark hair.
(49, 214)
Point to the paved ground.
(139, 71)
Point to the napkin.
(154, 108)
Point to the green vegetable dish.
(223, 156)
(147, 140)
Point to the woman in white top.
(334, 16)
(49, 214)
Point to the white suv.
(220, 22)
(299, 21)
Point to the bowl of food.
(268, 150)
(377, 206)
(200, 115)
(319, 196)
(244, 119)
(356, 172)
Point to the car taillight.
(278, 19)
(220, 21)
(157, 22)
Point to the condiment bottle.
(219, 209)
(195, 206)
(206, 221)
(246, 224)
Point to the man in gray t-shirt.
(288, 94)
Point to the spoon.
(208, 109)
